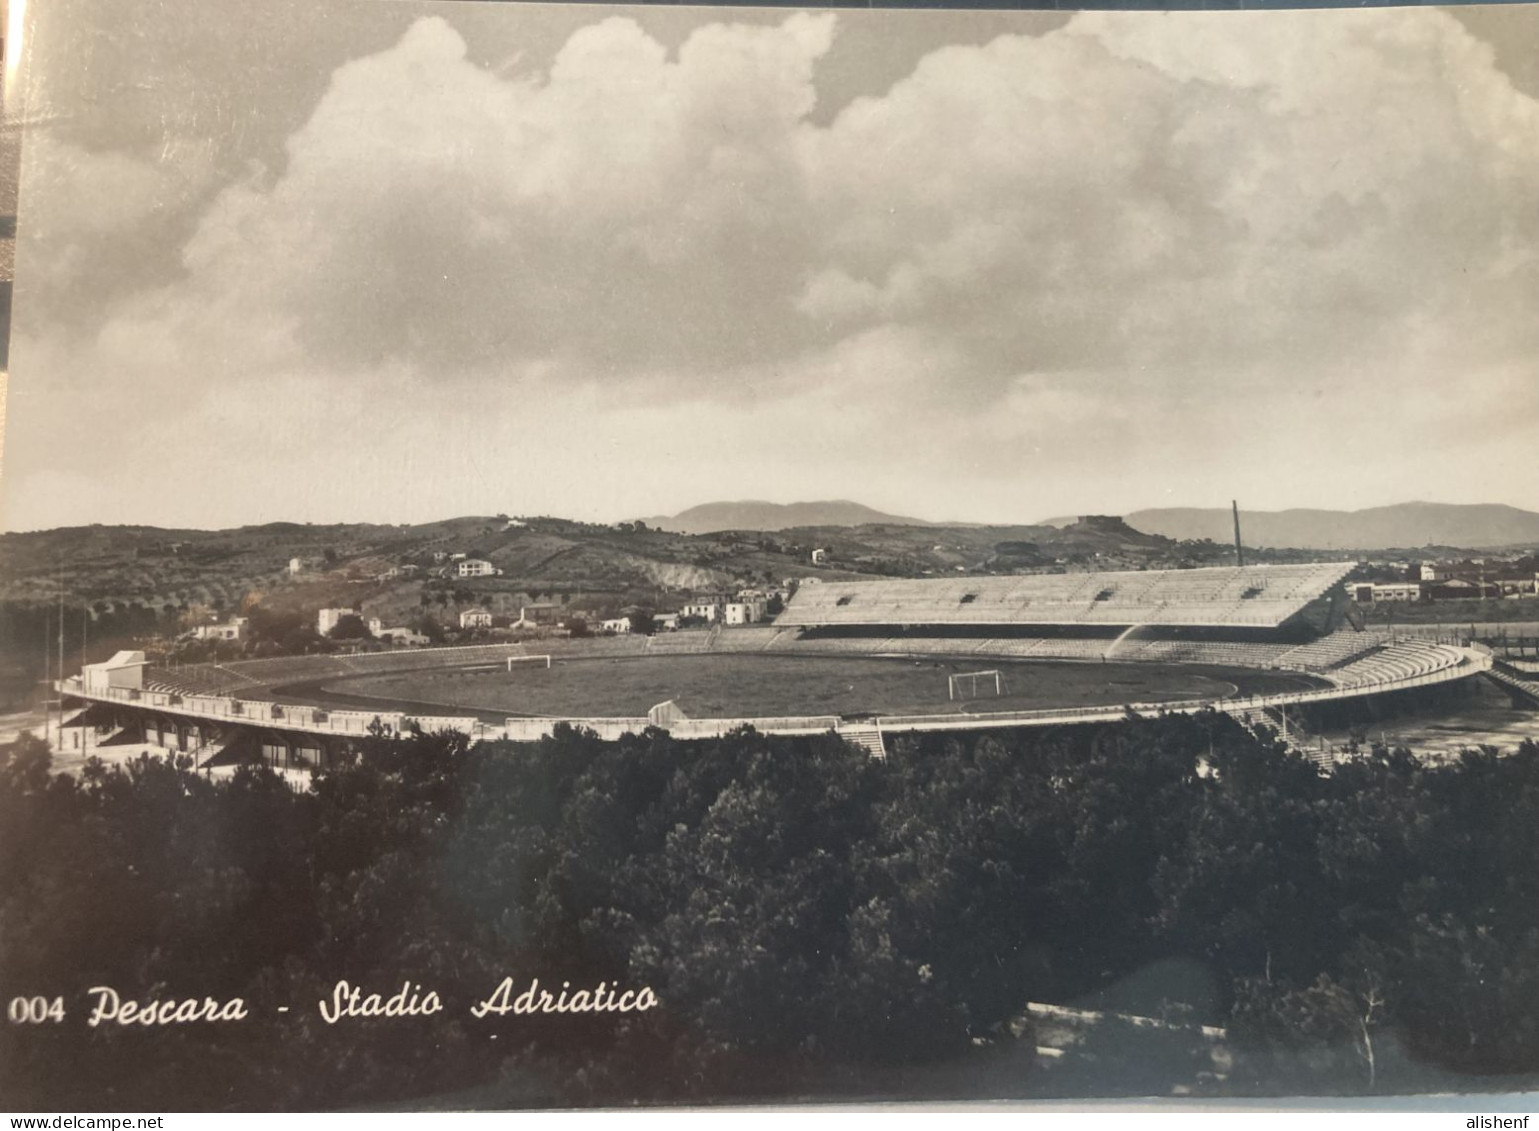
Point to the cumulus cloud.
(1136, 233)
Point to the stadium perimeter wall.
(1444, 663)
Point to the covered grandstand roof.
(1257, 596)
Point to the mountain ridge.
(758, 514)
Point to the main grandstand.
(865, 659)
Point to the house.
(540, 614)
(476, 618)
(708, 610)
(744, 612)
(617, 625)
(296, 567)
(819, 556)
(326, 619)
(476, 567)
(400, 635)
(233, 629)
(665, 622)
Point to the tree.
(350, 627)
(641, 621)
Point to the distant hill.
(752, 514)
(1468, 526)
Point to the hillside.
(752, 514)
(140, 586)
(1408, 525)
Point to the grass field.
(720, 685)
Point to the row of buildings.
(1450, 581)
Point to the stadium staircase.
(1521, 690)
(1295, 735)
(204, 754)
(866, 735)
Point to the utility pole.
(85, 629)
(1239, 547)
(47, 668)
(60, 684)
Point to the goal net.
(538, 661)
(975, 685)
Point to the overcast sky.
(400, 261)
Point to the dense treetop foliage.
(811, 921)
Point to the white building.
(619, 625)
(818, 556)
(744, 612)
(541, 614)
(124, 670)
(476, 567)
(400, 635)
(665, 622)
(233, 629)
(710, 611)
(326, 619)
(296, 567)
(1368, 593)
(475, 618)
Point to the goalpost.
(544, 661)
(964, 685)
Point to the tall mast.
(1239, 547)
(60, 684)
(85, 630)
(47, 671)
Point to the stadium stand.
(1258, 596)
(1329, 651)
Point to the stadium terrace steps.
(1255, 596)
(867, 736)
(288, 669)
(1402, 660)
(687, 643)
(1509, 681)
(1330, 651)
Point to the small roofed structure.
(125, 670)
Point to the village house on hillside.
(233, 629)
(327, 619)
(541, 614)
(744, 612)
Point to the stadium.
(867, 660)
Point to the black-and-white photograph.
(590, 556)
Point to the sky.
(392, 262)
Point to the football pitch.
(735, 686)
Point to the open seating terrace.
(1248, 596)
